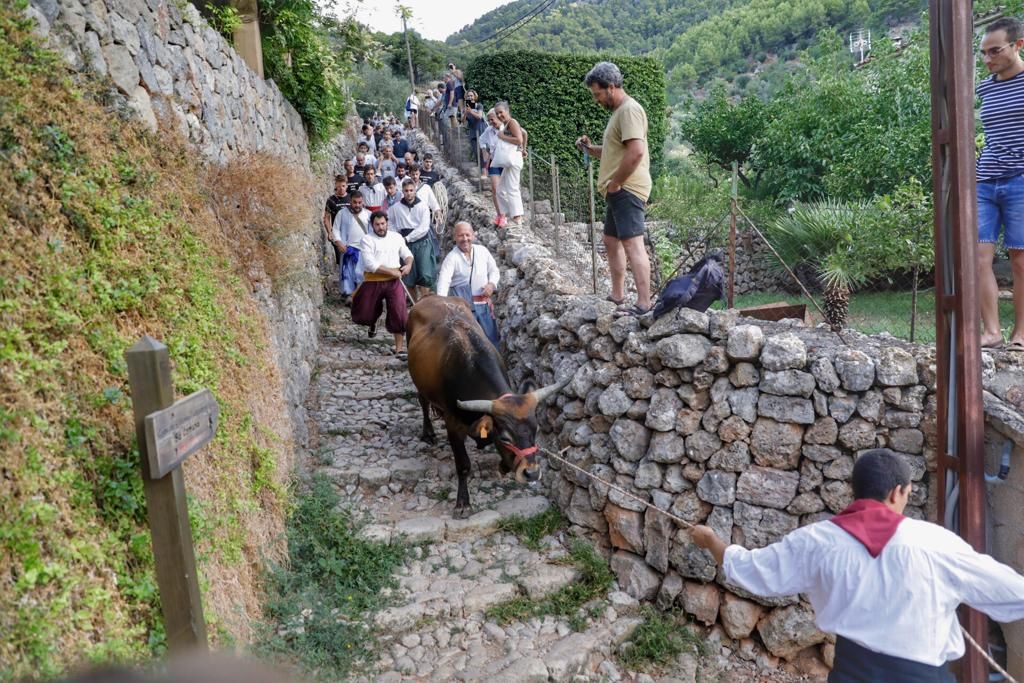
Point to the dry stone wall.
(163, 58)
(749, 427)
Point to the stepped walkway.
(366, 421)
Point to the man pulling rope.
(886, 585)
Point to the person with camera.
(473, 114)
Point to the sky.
(433, 19)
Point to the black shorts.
(624, 215)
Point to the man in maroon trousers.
(386, 259)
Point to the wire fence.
(566, 214)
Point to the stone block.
(739, 616)
(744, 375)
(856, 370)
(744, 342)
(788, 630)
(733, 457)
(701, 600)
(648, 475)
(682, 350)
(484, 597)
(825, 374)
(635, 576)
(733, 428)
(824, 431)
(701, 445)
(787, 383)
(762, 526)
(896, 367)
(665, 405)
(625, 528)
(717, 487)
(479, 525)
(614, 401)
(783, 352)
(666, 447)
(542, 580)
(421, 529)
(681, 320)
(630, 439)
(786, 409)
(525, 507)
(857, 434)
(671, 587)
(776, 444)
(638, 383)
(767, 487)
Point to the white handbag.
(506, 155)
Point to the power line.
(509, 25)
(512, 28)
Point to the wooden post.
(732, 236)
(557, 201)
(533, 197)
(479, 165)
(149, 376)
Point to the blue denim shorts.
(1001, 205)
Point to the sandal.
(1013, 347)
(401, 355)
(632, 310)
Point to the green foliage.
(723, 132)
(428, 57)
(547, 96)
(309, 55)
(532, 530)
(659, 640)
(317, 603)
(595, 579)
(108, 235)
(378, 89)
(225, 19)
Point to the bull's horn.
(479, 406)
(550, 390)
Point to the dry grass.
(108, 233)
(259, 199)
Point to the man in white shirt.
(425, 192)
(374, 194)
(350, 226)
(386, 260)
(886, 585)
(363, 160)
(469, 271)
(411, 218)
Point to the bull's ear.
(482, 428)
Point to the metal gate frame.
(960, 480)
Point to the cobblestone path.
(368, 421)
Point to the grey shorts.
(624, 215)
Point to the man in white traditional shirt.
(386, 260)
(469, 271)
(374, 194)
(425, 192)
(411, 218)
(886, 585)
(350, 226)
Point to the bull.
(459, 373)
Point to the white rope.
(686, 524)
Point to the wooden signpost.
(167, 433)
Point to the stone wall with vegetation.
(166, 61)
(749, 427)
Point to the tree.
(427, 58)
(722, 132)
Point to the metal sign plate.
(174, 433)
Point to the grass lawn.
(877, 312)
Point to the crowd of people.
(383, 222)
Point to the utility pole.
(406, 14)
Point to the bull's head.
(510, 421)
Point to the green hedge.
(546, 95)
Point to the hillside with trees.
(696, 39)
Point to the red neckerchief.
(870, 522)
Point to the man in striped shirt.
(1000, 175)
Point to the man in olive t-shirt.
(624, 178)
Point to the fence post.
(149, 376)
(556, 200)
(593, 221)
(533, 197)
(732, 236)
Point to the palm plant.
(831, 238)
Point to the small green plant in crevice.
(318, 602)
(569, 602)
(658, 640)
(224, 19)
(530, 530)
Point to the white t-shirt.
(426, 194)
(415, 218)
(373, 196)
(901, 603)
(388, 251)
(457, 267)
(347, 228)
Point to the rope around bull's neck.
(689, 525)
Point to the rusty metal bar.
(960, 425)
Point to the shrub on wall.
(547, 96)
